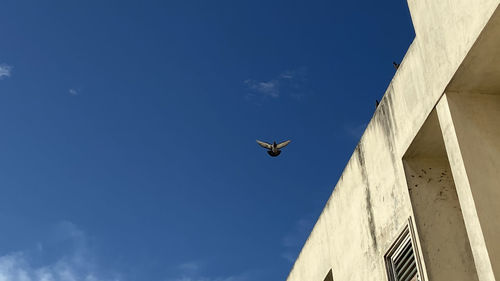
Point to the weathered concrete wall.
(467, 204)
(438, 216)
(443, 238)
(371, 202)
(477, 123)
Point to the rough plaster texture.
(371, 202)
(468, 206)
(477, 123)
(445, 246)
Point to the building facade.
(419, 198)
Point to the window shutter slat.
(401, 260)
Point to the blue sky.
(128, 131)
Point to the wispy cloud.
(269, 88)
(291, 82)
(295, 238)
(191, 267)
(5, 71)
(74, 92)
(74, 265)
(17, 267)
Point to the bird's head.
(274, 144)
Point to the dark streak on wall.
(369, 208)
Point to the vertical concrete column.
(464, 192)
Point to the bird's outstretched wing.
(283, 144)
(264, 144)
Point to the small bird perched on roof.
(273, 149)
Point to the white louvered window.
(401, 261)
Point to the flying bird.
(273, 149)
(395, 64)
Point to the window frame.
(406, 235)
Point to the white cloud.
(17, 267)
(74, 265)
(5, 71)
(269, 88)
(288, 74)
(291, 82)
(74, 92)
(76, 262)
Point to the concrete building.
(420, 197)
